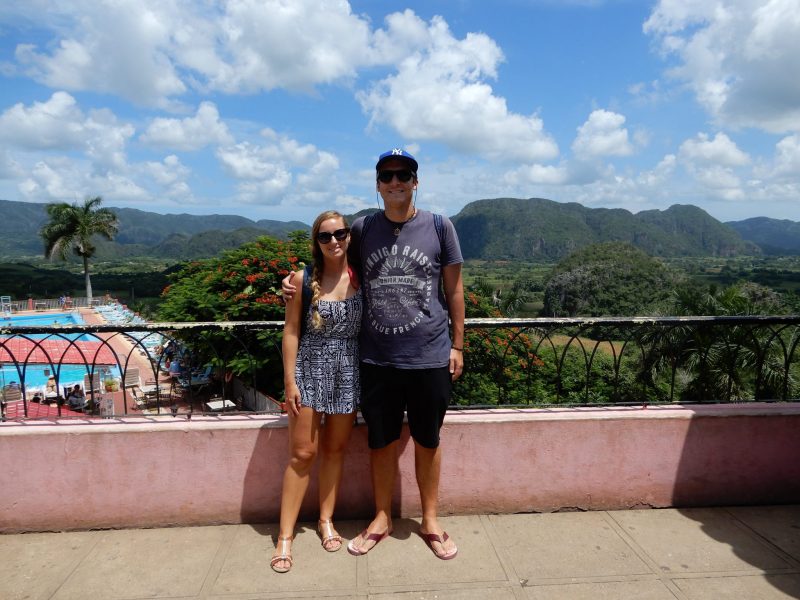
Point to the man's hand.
(456, 363)
(287, 288)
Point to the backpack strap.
(438, 224)
(368, 220)
(307, 294)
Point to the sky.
(278, 109)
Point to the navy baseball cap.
(398, 154)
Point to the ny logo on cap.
(397, 151)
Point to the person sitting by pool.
(76, 398)
(50, 388)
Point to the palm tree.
(73, 226)
(722, 361)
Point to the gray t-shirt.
(405, 320)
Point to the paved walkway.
(750, 553)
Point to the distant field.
(780, 273)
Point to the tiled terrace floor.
(748, 553)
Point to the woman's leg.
(304, 433)
(334, 438)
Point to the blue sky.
(278, 109)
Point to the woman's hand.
(292, 398)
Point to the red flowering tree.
(241, 285)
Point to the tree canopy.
(240, 285)
(608, 279)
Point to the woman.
(321, 379)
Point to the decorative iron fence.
(188, 368)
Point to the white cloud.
(106, 140)
(787, 157)
(537, 174)
(660, 175)
(191, 133)
(59, 124)
(294, 45)
(720, 182)
(150, 51)
(739, 57)
(65, 180)
(46, 183)
(602, 134)
(715, 165)
(171, 176)
(247, 161)
(721, 151)
(281, 169)
(9, 168)
(121, 48)
(348, 204)
(439, 93)
(265, 191)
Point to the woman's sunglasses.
(325, 237)
(403, 175)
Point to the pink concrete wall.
(139, 473)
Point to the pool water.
(42, 320)
(35, 376)
(46, 320)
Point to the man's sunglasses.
(403, 175)
(325, 237)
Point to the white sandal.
(329, 535)
(285, 554)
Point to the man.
(410, 270)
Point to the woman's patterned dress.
(326, 370)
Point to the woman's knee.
(334, 448)
(303, 455)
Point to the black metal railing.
(136, 369)
(188, 368)
(629, 361)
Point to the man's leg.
(384, 472)
(383, 462)
(428, 463)
(382, 409)
(426, 413)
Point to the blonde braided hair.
(319, 265)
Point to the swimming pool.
(42, 320)
(46, 320)
(35, 376)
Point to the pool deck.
(128, 356)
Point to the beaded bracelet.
(454, 348)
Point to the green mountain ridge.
(540, 229)
(774, 236)
(142, 233)
(503, 228)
